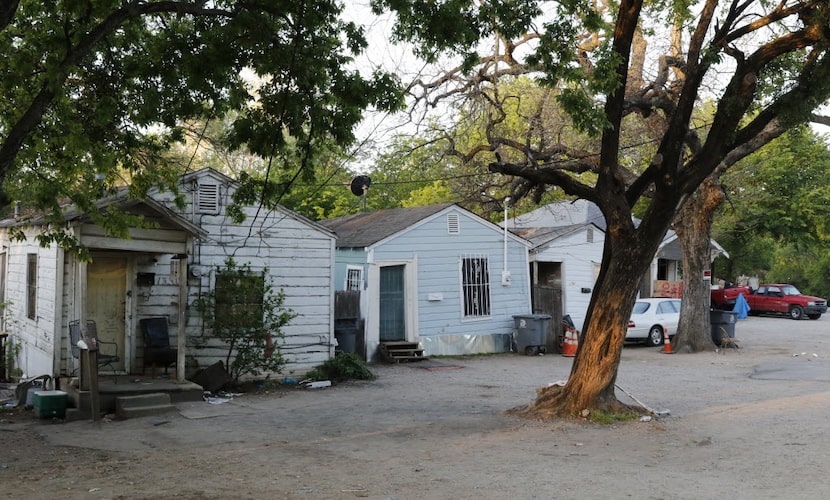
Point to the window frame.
(475, 307)
(31, 285)
(351, 284)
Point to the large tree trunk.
(693, 226)
(593, 374)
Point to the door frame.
(410, 289)
(127, 355)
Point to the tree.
(775, 223)
(96, 91)
(585, 54)
(247, 315)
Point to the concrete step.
(144, 411)
(142, 405)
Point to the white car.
(651, 319)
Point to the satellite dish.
(360, 184)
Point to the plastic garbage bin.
(346, 339)
(723, 322)
(531, 333)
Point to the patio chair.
(107, 351)
(157, 350)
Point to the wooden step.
(397, 351)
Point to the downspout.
(505, 273)
(181, 339)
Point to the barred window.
(475, 286)
(354, 278)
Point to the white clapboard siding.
(297, 253)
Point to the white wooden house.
(437, 275)
(159, 272)
(567, 242)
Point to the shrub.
(343, 366)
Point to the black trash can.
(531, 333)
(723, 324)
(346, 339)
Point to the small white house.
(567, 243)
(438, 275)
(159, 272)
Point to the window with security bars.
(354, 278)
(475, 285)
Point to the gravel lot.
(744, 424)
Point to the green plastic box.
(50, 404)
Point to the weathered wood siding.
(298, 255)
(35, 336)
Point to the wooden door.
(106, 301)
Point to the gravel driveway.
(743, 424)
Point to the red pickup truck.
(776, 298)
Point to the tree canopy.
(95, 92)
(765, 64)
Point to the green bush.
(343, 366)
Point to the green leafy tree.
(247, 315)
(585, 51)
(95, 92)
(775, 221)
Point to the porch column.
(180, 324)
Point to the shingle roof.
(365, 229)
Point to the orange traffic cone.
(570, 344)
(666, 342)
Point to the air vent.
(208, 199)
(453, 224)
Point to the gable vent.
(207, 201)
(453, 224)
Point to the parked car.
(771, 299)
(652, 318)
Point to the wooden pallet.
(397, 351)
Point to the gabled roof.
(218, 176)
(123, 202)
(541, 236)
(365, 229)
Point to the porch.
(153, 395)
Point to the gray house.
(158, 272)
(437, 275)
(567, 242)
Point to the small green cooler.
(49, 404)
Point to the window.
(207, 201)
(31, 285)
(453, 224)
(475, 285)
(239, 298)
(354, 278)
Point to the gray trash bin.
(531, 333)
(723, 322)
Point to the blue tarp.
(741, 307)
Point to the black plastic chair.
(106, 355)
(157, 350)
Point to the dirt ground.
(744, 424)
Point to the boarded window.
(31, 286)
(207, 199)
(453, 224)
(475, 285)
